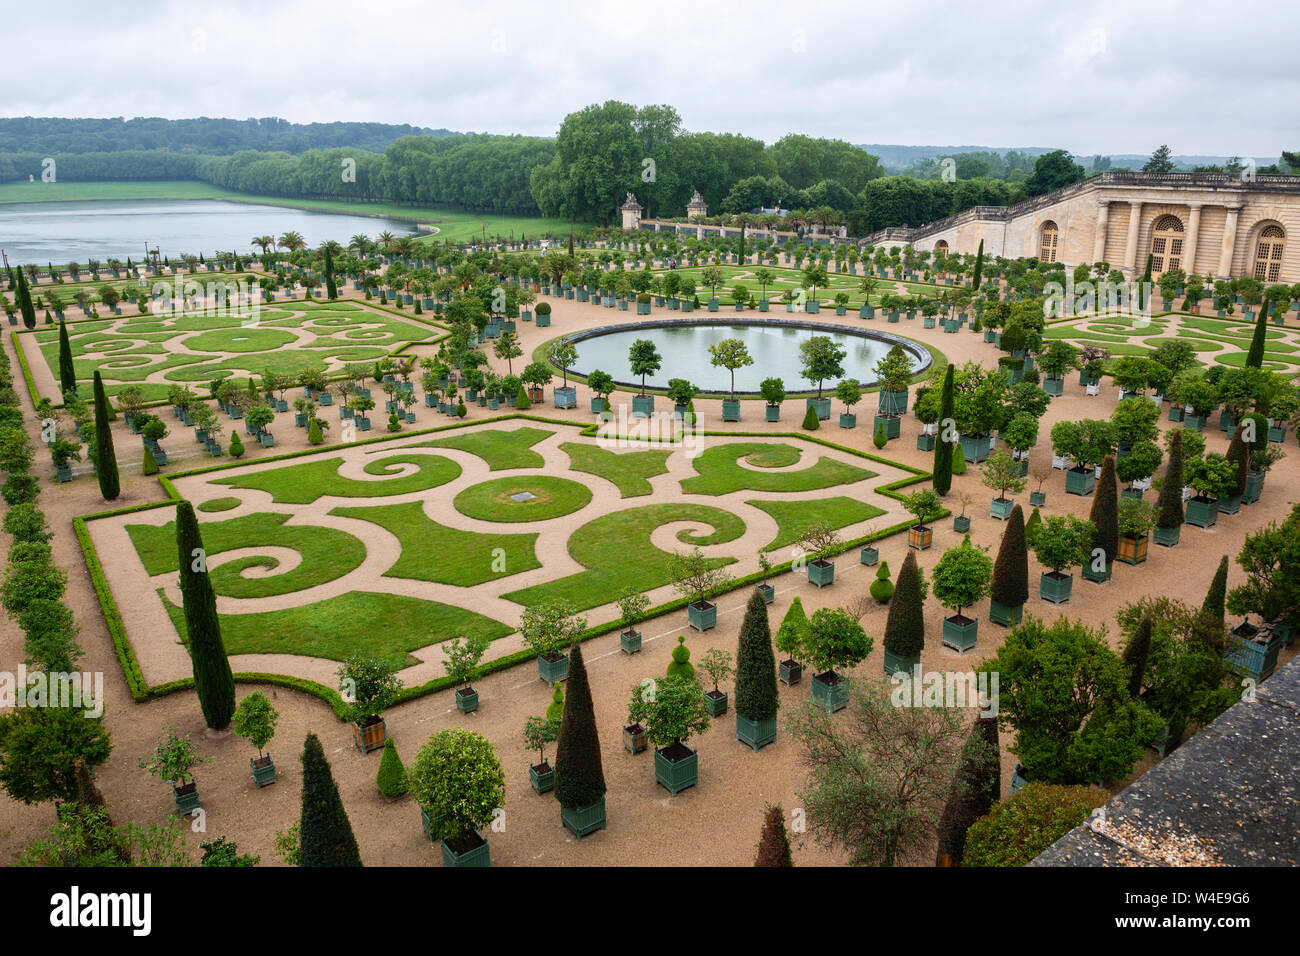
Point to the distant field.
(456, 225)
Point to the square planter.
(1229, 505)
(186, 797)
(1006, 616)
(920, 538)
(542, 777)
(831, 694)
(790, 672)
(677, 775)
(629, 641)
(772, 413)
(976, 448)
(1080, 482)
(960, 633)
(263, 770)
(821, 573)
(1001, 508)
(715, 702)
(1054, 588)
(702, 615)
(1255, 658)
(1177, 413)
(1202, 512)
(369, 737)
(466, 699)
(892, 425)
(870, 556)
(1254, 487)
(1054, 386)
(643, 405)
(756, 733)
(1132, 550)
(1037, 498)
(553, 670)
(1097, 577)
(823, 407)
(961, 523)
(634, 738)
(584, 821)
(767, 592)
(892, 403)
(900, 663)
(730, 410)
(924, 442)
(1166, 537)
(565, 397)
(475, 857)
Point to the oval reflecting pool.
(772, 343)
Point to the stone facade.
(631, 210)
(1206, 223)
(697, 206)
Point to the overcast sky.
(1093, 77)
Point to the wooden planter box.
(821, 573)
(790, 672)
(677, 775)
(1095, 576)
(1018, 778)
(960, 633)
(553, 670)
(263, 770)
(920, 538)
(634, 738)
(1132, 550)
(831, 695)
(466, 699)
(1055, 589)
(1006, 616)
(1054, 386)
(584, 821)
(370, 736)
(702, 615)
(542, 777)
(715, 702)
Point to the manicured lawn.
(327, 553)
(629, 470)
(502, 450)
(384, 626)
(720, 473)
(617, 553)
(219, 504)
(434, 552)
(301, 484)
(793, 518)
(552, 497)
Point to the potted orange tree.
(463, 656)
(961, 578)
(254, 719)
(538, 732)
(717, 663)
(924, 504)
(458, 782)
(672, 709)
(368, 686)
(698, 579)
(548, 629)
(173, 759)
(631, 606)
(835, 639)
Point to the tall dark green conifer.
(212, 677)
(67, 372)
(1135, 656)
(1144, 289)
(1169, 509)
(331, 287)
(105, 457)
(1255, 357)
(326, 833)
(756, 696)
(943, 449)
(1239, 455)
(979, 268)
(1011, 569)
(1216, 597)
(774, 844)
(905, 626)
(1105, 512)
(579, 774)
(977, 786)
(25, 301)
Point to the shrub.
(882, 589)
(958, 459)
(580, 778)
(151, 463)
(521, 400)
(1011, 569)
(236, 446)
(880, 439)
(391, 778)
(314, 436)
(905, 625)
(792, 633)
(774, 844)
(680, 665)
(326, 837)
(810, 422)
(1021, 828)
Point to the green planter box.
(542, 777)
(756, 733)
(543, 320)
(832, 696)
(676, 775)
(1054, 589)
(262, 775)
(1006, 616)
(584, 821)
(1018, 778)
(1037, 498)
(629, 641)
(848, 421)
(892, 424)
(1229, 505)
(976, 448)
(961, 523)
(892, 403)
(643, 405)
(772, 413)
(478, 856)
(927, 323)
(1176, 413)
(730, 410)
(1097, 577)
(790, 672)
(1256, 659)
(187, 797)
(924, 442)
(1054, 386)
(1166, 537)
(643, 308)
(552, 671)
(466, 700)
(821, 573)
(715, 702)
(1254, 487)
(895, 663)
(870, 556)
(1001, 508)
(1080, 482)
(702, 615)
(960, 634)
(1202, 512)
(822, 405)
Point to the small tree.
(173, 759)
(923, 504)
(462, 659)
(579, 775)
(793, 632)
(849, 391)
(717, 663)
(730, 354)
(1015, 831)
(644, 359)
(1001, 474)
(961, 577)
(255, 720)
(820, 359)
(835, 639)
(458, 782)
(976, 790)
(1063, 542)
(1105, 513)
(549, 628)
(1212, 477)
(632, 604)
(538, 732)
(672, 711)
(696, 577)
(368, 686)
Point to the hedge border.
(141, 691)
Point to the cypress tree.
(1170, 506)
(67, 372)
(943, 449)
(1255, 357)
(331, 287)
(1213, 607)
(979, 268)
(1105, 512)
(756, 696)
(1144, 294)
(1135, 656)
(774, 844)
(579, 776)
(105, 457)
(1011, 569)
(1237, 454)
(326, 834)
(976, 788)
(391, 778)
(905, 626)
(25, 301)
(212, 677)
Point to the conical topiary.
(1215, 599)
(579, 775)
(1255, 356)
(756, 696)
(105, 457)
(1239, 455)
(810, 421)
(392, 775)
(774, 844)
(555, 709)
(882, 588)
(792, 633)
(212, 677)
(1136, 653)
(680, 665)
(314, 436)
(1170, 507)
(943, 450)
(1011, 569)
(521, 399)
(326, 837)
(958, 459)
(975, 790)
(905, 625)
(150, 462)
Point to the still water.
(685, 352)
(63, 232)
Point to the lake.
(63, 232)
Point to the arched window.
(941, 246)
(1166, 245)
(1047, 242)
(1268, 253)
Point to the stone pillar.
(1193, 230)
(1131, 243)
(1229, 241)
(1099, 235)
